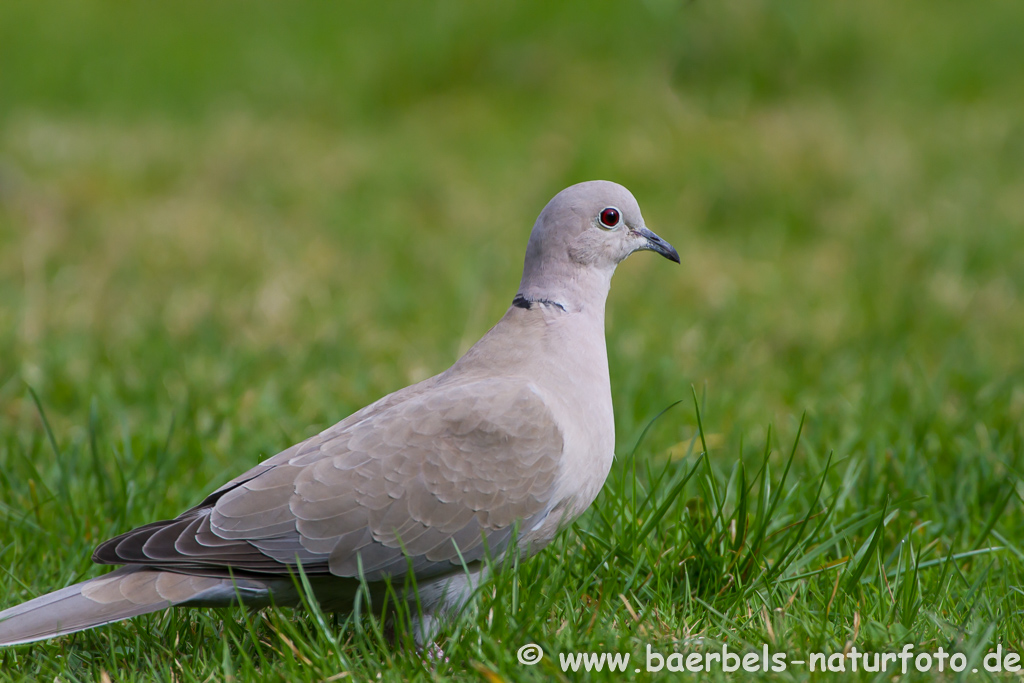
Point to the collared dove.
(517, 435)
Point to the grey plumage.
(517, 434)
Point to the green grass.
(223, 228)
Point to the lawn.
(224, 227)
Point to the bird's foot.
(434, 655)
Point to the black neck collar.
(522, 302)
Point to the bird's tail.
(121, 594)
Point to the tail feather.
(121, 594)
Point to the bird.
(434, 482)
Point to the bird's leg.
(425, 629)
(434, 655)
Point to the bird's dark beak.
(654, 243)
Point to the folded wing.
(437, 479)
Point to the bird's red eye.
(610, 217)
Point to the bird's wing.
(434, 480)
(379, 406)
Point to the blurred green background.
(252, 218)
(282, 211)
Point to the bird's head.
(588, 227)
